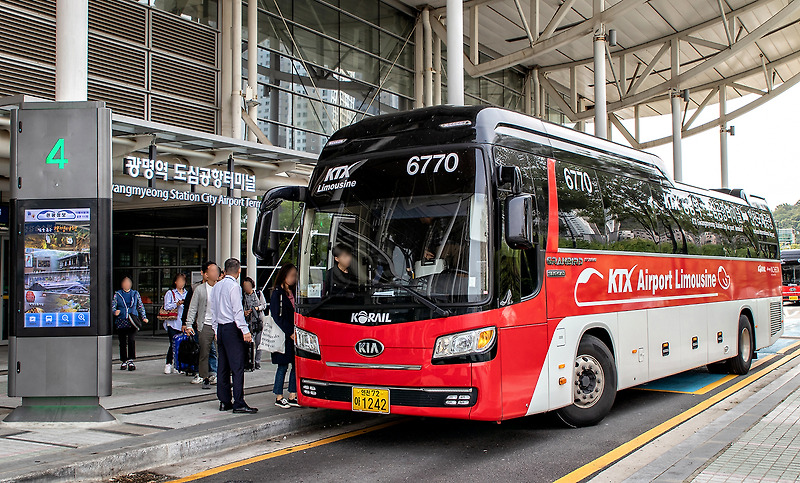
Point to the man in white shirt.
(232, 333)
(201, 317)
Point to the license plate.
(369, 400)
(792, 297)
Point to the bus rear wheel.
(740, 364)
(595, 384)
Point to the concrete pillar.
(72, 50)
(573, 89)
(723, 138)
(236, 70)
(225, 68)
(677, 121)
(455, 52)
(252, 214)
(636, 118)
(581, 126)
(437, 70)
(224, 234)
(600, 113)
(536, 93)
(427, 54)
(236, 228)
(527, 95)
(252, 61)
(474, 46)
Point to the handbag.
(164, 314)
(126, 322)
(273, 339)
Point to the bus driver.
(340, 278)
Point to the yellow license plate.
(371, 400)
(792, 297)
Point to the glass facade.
(200, 11)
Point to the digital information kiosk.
(60, 337)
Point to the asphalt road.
(535, 449)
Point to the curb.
(109, 460)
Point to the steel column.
(225, 68)
(600, 113)
(236, 227)
(224, 234)
(428, 57)
(455, 52)
(236, 70)
(677, 124)
(723, 138)
(437, 70)
(419, 75)
(252, 69)
(72, 50)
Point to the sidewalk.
(160, 418)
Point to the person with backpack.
(173, 305)
(281, 307)
(129, 314)
(254, 305)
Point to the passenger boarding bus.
(790, 266)
(476, 263)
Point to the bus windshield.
(790, 266)
(410, 229)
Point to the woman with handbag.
(254, 305)
(172, 314)
(129, 314)
(281, 306)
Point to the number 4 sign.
(58, 149)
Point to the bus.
(476, 263)
(790, 266)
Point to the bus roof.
(448, 124)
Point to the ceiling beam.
(558, 17)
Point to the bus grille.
(775, 318)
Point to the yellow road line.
(714, 385)
(285, 451)
(789, 347)
(629, 447)
(763, 360)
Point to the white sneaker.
(197, 379)
(168, 369)
(213, 379)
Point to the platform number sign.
(58, 150)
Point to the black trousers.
(230, 345)
(127, 344)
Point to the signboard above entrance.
(218, 178)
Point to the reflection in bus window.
(628, 211)
(580, 209)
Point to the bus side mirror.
(520, 233)
(261, 236)
(510, 175)
(269, 203)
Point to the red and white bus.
(471, 262)
(790, 266)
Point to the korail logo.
(723, 278)
(364, 317)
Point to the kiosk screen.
(57, 276)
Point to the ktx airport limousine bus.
(471, 262)
(790, 266)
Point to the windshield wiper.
(426, 301)
(328, 298)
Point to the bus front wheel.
(594, 386)
(740, 364)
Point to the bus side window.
(580, 209)
(629, 213)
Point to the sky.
(761, 159)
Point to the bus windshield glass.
(410, 229)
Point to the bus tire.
(740, 364)
(595, 384)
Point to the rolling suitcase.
(249, 356)
(186, 353)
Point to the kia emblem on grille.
(369, 348)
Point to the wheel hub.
(589, 381)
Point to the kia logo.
(369, 348)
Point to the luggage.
(249, 356)
(186, 353)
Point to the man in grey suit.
(201, 317)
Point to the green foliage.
(787, 216)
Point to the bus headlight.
(306, 341)
(467, 343)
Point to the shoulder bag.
(164, 314)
